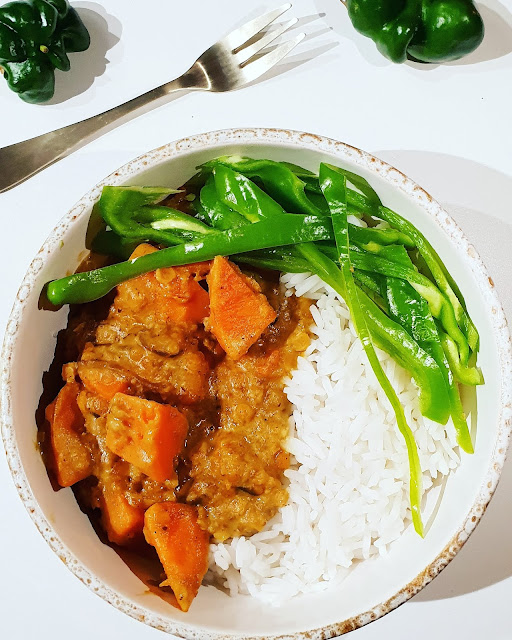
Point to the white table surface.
(448, 127)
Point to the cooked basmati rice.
(349, 474)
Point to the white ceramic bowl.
(375, 587)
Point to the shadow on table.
(483, 198)
(313, 46)
(105, 31)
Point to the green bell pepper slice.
(333, 187)
(91, 285)
(215, 212)
(241, 194)
(411, 311)
(438, 271)
(278, 180)
(471, 376)
(438, 304)
(133, 213)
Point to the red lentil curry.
(172, 418)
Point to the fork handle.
(23, 160)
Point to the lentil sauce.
(232, 463)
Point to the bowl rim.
(276, 138)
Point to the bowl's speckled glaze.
(28, 349)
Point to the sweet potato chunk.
(170, 295)
(103, 380)
(181, 545)
(120, 519)
(71, 456)
(239, 313)
(147, 434)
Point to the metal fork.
(234, 61)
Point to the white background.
(448, 127)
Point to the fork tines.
(237, 38)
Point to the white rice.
(349, 477)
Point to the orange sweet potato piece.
(72, 459)
(181, 545)
(171, 295)
(147, 434)
(103, 380)
(239, 313)
(122, 521)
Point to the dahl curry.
(172, 417)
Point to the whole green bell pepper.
(424, 30)
(35, 38)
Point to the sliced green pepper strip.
(275, 259)
(248, 200)
(358, 181)
(389, 336)
(278, 179)
(405, 305)
(428, 254)
(372, 281)
(371, 292)
(365, 235)
(300, 171)
(438, 304)
(385, 268)
(333, 187)
(471, 376)
(411, 311)
(288, 186)
(357, 203)
(241, 194)
(319, 201)
(116, 199)
(223, 217)
(438, 271)
(217, 213)
(456, 410)
(449, 399)
(370, 240)
(292, 229)
(131, 212)
(395, 340)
